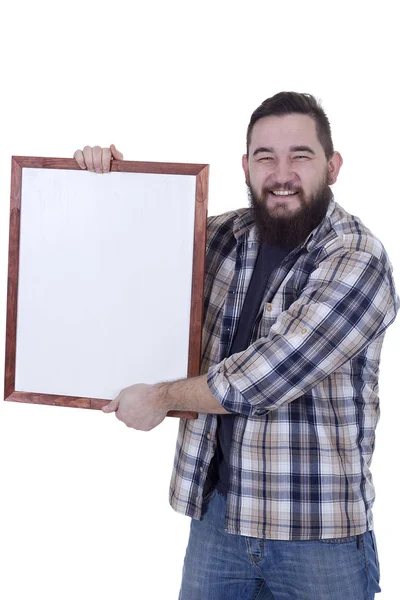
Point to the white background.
(84, 500)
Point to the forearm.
(191, 394)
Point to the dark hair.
(286, 103)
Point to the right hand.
(96, 159)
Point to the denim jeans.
(223, 566)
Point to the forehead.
(281, 132)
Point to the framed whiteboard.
(105, 279)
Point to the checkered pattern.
(305, 392)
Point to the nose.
(283, 172)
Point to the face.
(288, 177)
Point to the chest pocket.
(275, 303)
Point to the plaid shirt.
(305, 392)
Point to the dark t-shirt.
(268, 258)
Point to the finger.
(112, 406)
(116, 153)
(106, 159)
(88, 156)
(97, 164)
(78, 156)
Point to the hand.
(139, 406)
(97, 159)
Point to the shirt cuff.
(229, 397)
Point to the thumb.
(111, 406)
(116, 153)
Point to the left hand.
(138, 406)
(96, 159)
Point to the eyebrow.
(302, 149)
(292, 149)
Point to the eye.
(300, 156)
(265, 158)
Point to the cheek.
(259, 177)
(313, 178)
(308, 179)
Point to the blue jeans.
(223, 566)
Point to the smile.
(283, 193)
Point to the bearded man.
(275, 472)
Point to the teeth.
(283, 193)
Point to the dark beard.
(289, 231)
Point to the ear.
(245, 165)
(334, 165)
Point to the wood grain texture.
(12, 283)
(41, 162)
(76, 402)
(53, 400)
(200, 232)
(196, 316)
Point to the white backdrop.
(84, 500)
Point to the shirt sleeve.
(348, 301)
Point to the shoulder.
(227, 219)
(345, 234)
(352, 235)
(222, 235)
(349, 248)
(229, 224)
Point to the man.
(298, 296)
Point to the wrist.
(164, 397)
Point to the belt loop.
(358, 542)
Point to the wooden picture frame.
(35, 352)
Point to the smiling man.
(275, 472)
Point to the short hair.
(286, 103)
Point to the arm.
(189, 394)
(143, 406)
(348, 302)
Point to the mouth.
(284, 194)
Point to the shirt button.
(260, 411)
(269, 307)
(304, 330)
(201, 469)
(208, 436)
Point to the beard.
(289, 230)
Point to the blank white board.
(104, 280)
